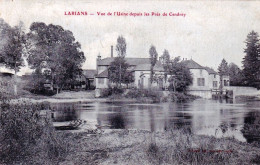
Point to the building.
(89, 75)
(139, 67)
(205, 79)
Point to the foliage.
(140, 94)
(11, 54)
(55, 49)
(121, 46)
(181, 97)
(26, 136)
(153, 58)
(180, 77)
(235, 75)
(223, 68)
(165, 59)
(118, 72)
(111, 91)
(37, 81)
(251, 61)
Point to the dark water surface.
(220, 118)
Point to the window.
(214, 76)
(225, 83)
(201, 81)
(101, 80)
(215, 84)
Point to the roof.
(210, 70)
(147, 67)
(192, 64)
(89, 73)
(130, 61)
(103, 74)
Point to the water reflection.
(220, 118)
(64, 112)
(117, 121)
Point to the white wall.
(237, 90)
(211, 79)
(199, 73)
(103, 85)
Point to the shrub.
(182, 97)
(27, 136)
(155, 96)
(111, 91)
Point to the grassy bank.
(147, 95)
(171, 147)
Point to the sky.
(209, 32)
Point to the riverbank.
(148, 96)
(65, 96)
(143, 147)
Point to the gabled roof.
(192, 64)
(103, 74)
(210, 70)
(130, 61)
(147, 67)
(89, 73)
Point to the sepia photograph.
(122, 82)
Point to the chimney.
(112, 51)
(98, 59)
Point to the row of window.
(201, 82)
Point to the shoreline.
(145, 147)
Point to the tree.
(13, 49)
(165, 59)
(121, 52)
(121, 46)
(118, 74)
(180, 77)
(235, 75)
(222, 70)
(51, 47)
(153, 58)
(251, 61)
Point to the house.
(205, 79)
(139, 67)
(89, 75)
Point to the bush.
(182, 97)
(26, 136)
(44, 92)
(155, 96)
(111, 91)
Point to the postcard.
(129, 82)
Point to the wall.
(202, 93)
(211, 79)
(199, 73)
(103, 85)
(238, 90)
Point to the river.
(219, 118)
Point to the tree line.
(249, 75)
(50, 50)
